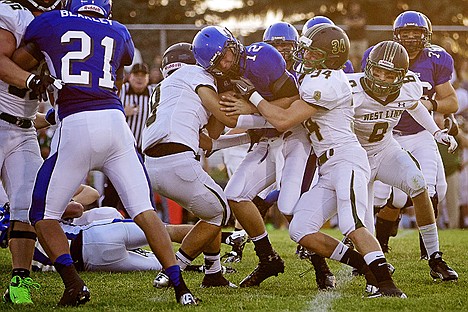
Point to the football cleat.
(272, 265)
(216, 280)
(76, 295)
(188, 299)
(387, 289)
(440, 269)
(19, 290)
(371, 281)
(323, 276)
(161, 280)
(237, 240)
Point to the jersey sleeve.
(36, 28)
(14, 21)
(413, 86)
(272, 65)
(443, 68)
(129, 52)
(201, 78)
(323, 92)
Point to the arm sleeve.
(422, 116)
(226, 141)
(252, 122)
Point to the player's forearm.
(448, 104)
(226, 141)
(12, 74)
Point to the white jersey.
(18, 102)
(331, 127)
(180, 114)
(376, 118)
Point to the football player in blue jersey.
(87, 51)
(221, 54)
(283, 36)
(434, 67)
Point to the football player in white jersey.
(326, 110)
(381, 94)
(20, 157)
(186, 102)
(434, 67)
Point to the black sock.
(68, 274)
(23, 273)
(379, 268)
(263, 247)
(354, 259)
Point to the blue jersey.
(263, 65)
(433, 66)
(84, 52)
(348, 67)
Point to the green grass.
(288, 292)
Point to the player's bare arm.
(210, 100)
(9, 71)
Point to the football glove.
(244, 87)
(451, 124)
(444, 138)
(43, 84)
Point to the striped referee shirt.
(142, 101)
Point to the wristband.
(255, 98)
(434, 105)
(28, 81)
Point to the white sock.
(212, 263)
(430, 237)
(339, 252)
(182, 261)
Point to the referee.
(135, 96)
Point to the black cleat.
(387, 289)
(440, 269)
(323, 275)
(216, 280)
(76, 295)
(270, 266)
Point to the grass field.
(288, 292)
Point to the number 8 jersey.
(375, 118)
(104, 48)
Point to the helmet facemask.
(417, 43)
(378, 87)
(234, 69)
(304, 64)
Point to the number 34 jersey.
(375, 118)
(329, 92)
(84, 52)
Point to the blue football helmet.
(101, 7)
(391, 56)
(40, 5)
(282, 34)
(315, 21)
(412, 20)
(210, 45)
(4, 224)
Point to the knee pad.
(297, 229)
(20, 234)
(399, 199)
